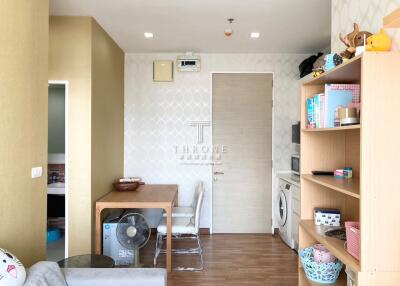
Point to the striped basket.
(353, 238)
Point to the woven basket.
(126, 186)
(353, 238)
(319, 272)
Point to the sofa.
(47, 273)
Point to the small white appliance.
(284, 212)
(295, 164)
(188, 63)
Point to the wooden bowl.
(126, 186)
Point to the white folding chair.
(183, 228)
(187, 211)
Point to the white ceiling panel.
(286, 26)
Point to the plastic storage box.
(353, 238)
(327, 217)
(351, 277)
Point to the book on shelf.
(322, 108)
(319, 103)
(339, 95)
(310, 113)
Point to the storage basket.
(351, 277)
(322, 255)
(319, 272)
(353, 238)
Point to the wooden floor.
(233, 260)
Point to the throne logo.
(200, 153)
(200, 129)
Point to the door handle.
(219, 173)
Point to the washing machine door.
(282, 209)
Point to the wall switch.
(37, 172)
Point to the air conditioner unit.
(188, 63)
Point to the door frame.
(66, 165)
(272, 141)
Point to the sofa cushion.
(45, 273)
(115, 276)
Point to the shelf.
(350, 187)
(348, 72)
(335, 246)
(392, 20)
(350, 127)
(303, 281)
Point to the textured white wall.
(156, 116)
(368, 14)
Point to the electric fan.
(133, 232)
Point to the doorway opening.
(57, 172)
(242, 121)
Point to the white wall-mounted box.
(163, 70)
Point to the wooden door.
(242, 121)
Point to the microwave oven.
(295, 164)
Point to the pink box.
(353, 238)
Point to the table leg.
(175, 202)
(98, 231)
(169, 238)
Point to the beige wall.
(82, 53)
(23, 127)
(70, 59)
(107, 112)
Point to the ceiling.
(286, 26)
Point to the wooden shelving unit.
(350, 187)
(348, 72)
(335, 246)
(372, 150)
(341, 128)
(392, 20)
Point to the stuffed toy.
(12, 272)
(306, 66)
(380, 42)
(353, 40)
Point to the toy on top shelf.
(353, 40)
(331, 61)
(326, 63)
(318, 66)
(379, 42)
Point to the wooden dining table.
(146, 196)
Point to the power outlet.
(37, 172)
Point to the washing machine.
(284, 210)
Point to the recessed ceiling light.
(255, 35)
(148, 35)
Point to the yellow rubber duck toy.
(379, 42)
